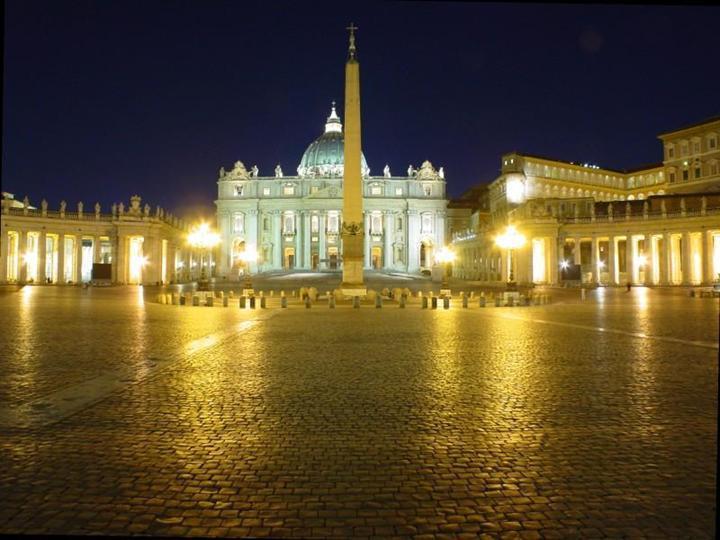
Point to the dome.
(325, 155)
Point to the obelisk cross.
(352, 29)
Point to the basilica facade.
(294, 222)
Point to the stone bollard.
(527, 300)
(424, 302)
(582, 294)
(446, 302)
(283, 301)
(402, 301)
(209, 300)
(175, 299)
(433, 302)
(293, 293)
(510, 301)
(262, 303)
(195, 300)
(472, 295)
(465, 301)
(182, 300)
(307, 302)
(331, 301)
(481, 302)
(161, 299)
(692, 294)
(242, 302)
(226, 301)
(498, 301)
(252, 302)
(169, 298)
(231, 294)
(378, 301)
(356, 302)
(544, 299)
(272, 293)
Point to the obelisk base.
(353, 283)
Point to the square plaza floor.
(593, 418)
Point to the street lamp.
(203, 239)
(445, 256)
(248, 256)
(511, 240)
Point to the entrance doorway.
(426, 255)
(376, 257)
(315, 261)
(289, 259)
(333, 256)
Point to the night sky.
(105, 99)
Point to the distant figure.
(628, 286)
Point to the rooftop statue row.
(118, 210)
(239, 172)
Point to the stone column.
(42, 256)
(366, 240)
(96, 249)
(388, 233)
(630, 258)
(594, 259)
(22, 249)
(708, 247)
(277, 239)
(61, 259)
(686, 261)
(307, 240)
(322, 249)
(613, 270)
(666, 258)
(5, 249)
(120, 265)
(78, 259)
(554, 258)
(577, 257)
(648, 259)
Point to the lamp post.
(203, 239)
(511, 240)
(248, 256)
(445, 256)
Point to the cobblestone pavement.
(575, 419)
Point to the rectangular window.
(697, 172)
(266, 191)
(712, 143)
(375, 190)
(696, 147)
(398, 191)
(332, 224)
(714, 168)
(426, 224)
(671, 152)
(314, 224)
(672, 177)
(288, 190)
(239, 190)
(683, 149)
(238, 223)
(314, 189)
(685, 174)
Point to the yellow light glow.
(511, 239)
(445, 255)
(515, 190)
(203, 237)
(640, 260)
(250, 255)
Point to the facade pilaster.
(298, 239)
(277, 240)
(322, 240)
(121, 250)
(413, 244)
(648, 254)
(388, 233)
(577, 256)
(552, 268)
(366, 241)
(708, 248)
(307, 240)
(77, 263)
(4, 251)
(630, 259)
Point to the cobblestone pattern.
(381, 423)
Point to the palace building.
(657, 225)
(294, 222)
(44, 246)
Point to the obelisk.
(352, 226)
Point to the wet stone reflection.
(575, 419)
